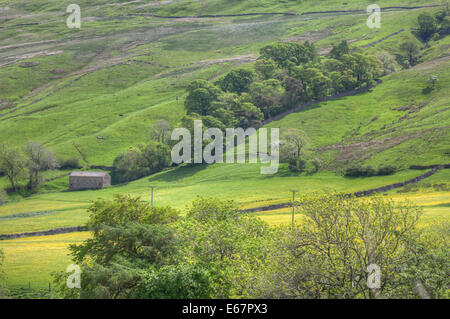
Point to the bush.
(317, 164)
(368, 171)
(141, 161)
(175, 282)
(427, 26)
(69, 163)
(352, 172)
(3, 197)
(297, 165)
(386, 170)
(360, 171)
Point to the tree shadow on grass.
(178, 173)
(427, 90)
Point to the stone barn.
(88, 180)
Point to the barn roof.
(89, 174)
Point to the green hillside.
(91, 93)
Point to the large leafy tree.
(445, 26)
(129, 238)
(340, 50)
(201, 95)
(364, 67)
(182, 281)
(427, 26)
(39, 159)
(289, 54)
(315, 83)
(248, 115)
(328, 253)
(293, 144)
(160, 131)
(237, 81)
(219, 238)
(157, 156)
(426, 265)
(267, 95)
(266, 68)
(13, 164)
(141, 160)
(225, 108)
(411, 52)
(238, 111)
(129, 166)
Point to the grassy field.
(97, 81)
(124, 70)
(32, 260)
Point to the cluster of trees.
(214, 251)
(144, 159)
(27, 164)
(367, 171)
(431, 26)
(284, 75)
(141, 160)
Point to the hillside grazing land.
(93, 93)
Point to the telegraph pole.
(153, 187)
(293, 205)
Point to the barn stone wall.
(88, 182)
(106, 180)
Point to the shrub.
(297, 165)
(317, 163)
(237, 81)
(369, 171)
(352, 172)
(3, 197)
(70, 163)
(427, 26)
(141, 161)
(360, 171)
(175, 282)
(386, 170)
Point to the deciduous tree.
(39, 159)
(237, 81)
(13, 164)
(427, 26)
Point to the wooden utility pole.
(293, 205)
(153, 187)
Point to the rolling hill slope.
(92, 93)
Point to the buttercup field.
(224, 149)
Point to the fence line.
(434, 169)
(55, 231)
